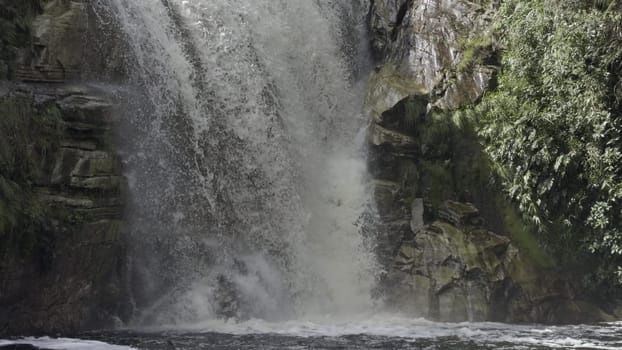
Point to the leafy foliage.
(474, 52)
(553, 124)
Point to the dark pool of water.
(372, 333)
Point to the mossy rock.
(386, 88)
(101, 183)
(452, 305)
(27, 136)
(15, 31)
(96, 163)
(458, 213)
(406, 116)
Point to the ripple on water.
(375, 332)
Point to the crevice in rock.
(401, 14)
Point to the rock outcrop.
(56, 41)
(67, 271)
(62, 192)
(453, 248)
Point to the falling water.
(243, 147)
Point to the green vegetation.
(460, 166)
(452, 165)
(27, 136)
(474, 52)
(522, 235)
(552, 128)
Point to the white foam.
(271, 78)
(603, 336)
(64, 344)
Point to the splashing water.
(377, 332)
(243, 149)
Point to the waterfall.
(243, 146)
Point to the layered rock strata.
(62, 230)
(71, 275)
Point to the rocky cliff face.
(62, 193)
(57, 41)
(68, 272)
(453, 248)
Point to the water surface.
(377, 332)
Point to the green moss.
(26, 135)
(414, 109)
(450, 231)
(522, 236)
(50, 125)
(437, 181)
(388, 83)
(466, 250)
(103, 183)
(463, 210)
(24, 130)
(14, 129)
(389, 76)
(455, 163)
(51, 117)
(474, 51)
(21, 217)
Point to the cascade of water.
(243, 149)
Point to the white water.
(600, 336)
(245, 157)
(64, 344)
(372, 331)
